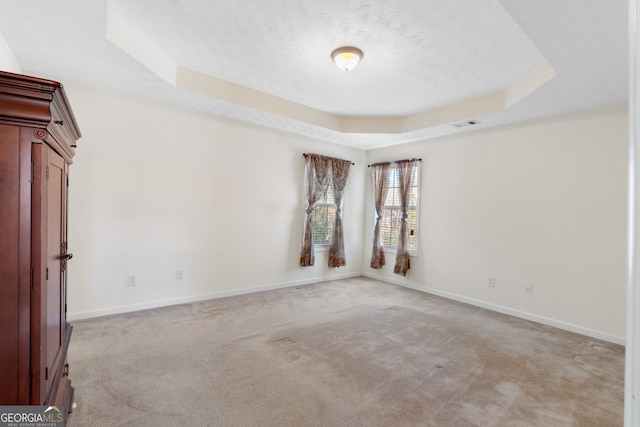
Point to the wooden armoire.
(38, 134)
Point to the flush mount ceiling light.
(347, 58)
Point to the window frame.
(322, 203)
(323, 247)
(413, 244)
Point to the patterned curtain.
(340, 176)
(316, 169)
(380, 190)
(405, 172)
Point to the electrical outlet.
(528, 289)
(132, 280)
(179, 275)
(491, 282)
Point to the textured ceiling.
(420, 57)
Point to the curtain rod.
(395, 161)
(305, 155)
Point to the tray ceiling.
(428, 65)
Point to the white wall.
(8, 61)
(541, 203)
(154, 190)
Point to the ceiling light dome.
(347, 58)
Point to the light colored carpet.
(355, 352)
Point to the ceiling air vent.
(465, 123)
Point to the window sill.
(395, 251)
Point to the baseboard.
(505, 310)
(83, 315)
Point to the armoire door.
(56, 239)
(49, 303)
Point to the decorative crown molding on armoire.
(38, 134)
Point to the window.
(325, 181)
(324, 217)
(392, 212)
